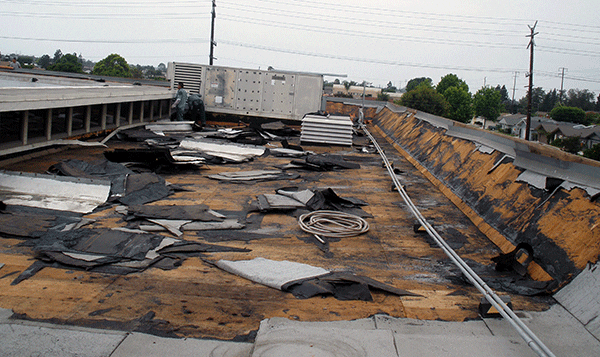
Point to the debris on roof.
(255, 175)
(114, 251)
(80, 195)
(306, 281)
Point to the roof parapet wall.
(513, 190)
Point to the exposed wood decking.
(200, 300)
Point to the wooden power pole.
(530, 74)
(212, 33)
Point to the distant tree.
(161, 67)
(487, 103)
(572, 144)
(583, 99)
(451, 80)
(459, 104)
(550, 100)
(136, 72)
(536, 100)
(44, 61)
(67, 63)
(347, 84)
(593, 152)
(506, 102)
(390, 88)
(598, 103)
(592, 118)
(456, 93)
(568, 114)
(426, 99)
(383, 96)
(113, 66)
(415, 82)
(57, 55)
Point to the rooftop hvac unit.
(336, 130)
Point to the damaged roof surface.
(189, 295)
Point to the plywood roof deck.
(200, 300)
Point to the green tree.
(383, 96)
(136, 72)
(568, 114)
(536, 100)
(426, 99)
(415, 82)
(44, 61)
(451, 80)
(487, 103)
(572, 144)
(390, 88)
(583, 99)
(113, 66)
(347, 84)
(459, 104)
(550, 100)
(57, 55)
(593, 152)
(67, 63)
(456, 93)
(592, 118)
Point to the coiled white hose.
(332, 224)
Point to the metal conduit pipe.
(528, 336)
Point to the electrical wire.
(333, 224)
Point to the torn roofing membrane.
(81, 195)
(305, 281)
(232, 152)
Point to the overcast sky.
(481, 41)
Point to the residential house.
(507, 122)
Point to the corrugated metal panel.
(335, 130)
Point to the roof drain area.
(530, 338)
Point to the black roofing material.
(342, 286)
(185, 212)
(140, 135)
(31, 222)
(324, 162)
(155, 158)
(511, 260)
(111, 251)
(505, 281)
(327, 199)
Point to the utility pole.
(561, 83)
(212, 33)
(530, 74)
(513, 97)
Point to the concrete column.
(118, 115)
(160, 109)
(130, 117)
(24, 126)
(48, 129)
(69, 121)
(151, 111)
(142, 111)
(103, 116)
(88, 118)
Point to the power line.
(331, 30)
(139, 41)
(364, 60)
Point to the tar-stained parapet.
(489, 177)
